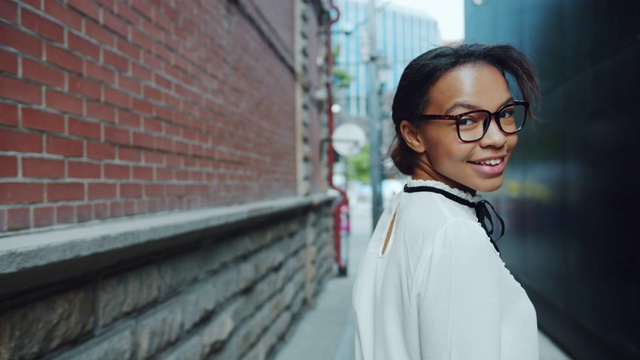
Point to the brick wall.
(112, 108)
(184, 135)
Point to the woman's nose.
(494, 136)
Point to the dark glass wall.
(571, 197)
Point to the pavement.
(326, 331)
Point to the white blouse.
(440, 290)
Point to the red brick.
(142, 140)
(36, 4)
(9, 11)
(182, 147)
(64, 146)
(21, 192)
(115, 97)
(84, 212)
(11, 140)
(129, 154)
(163, 174)
(164, 144)
(42, 168)
(8, 61)
(129, 14)
(115, 24)
(86, 7)
(117, 135)
(114, 171)
(142, 7)
(64, 58)
(83, 45)
(8, 166)
(130, 190)
(87, 88)
(154, 190)
(20, 90)
(100, 151)
(19, 40)
(129, 208)
(151, 125)
(142, 106)
(43, 216)
(42, 26)
(109, 4)
(141, 39)
(142, 173)
(151, 93)
(141, 72)
(102, 191)
(99, 33)
(18, 219)
(101, 111)
(100, 211)
(152, 157)
(9, 114)
(162, 81)
(117, 61)
(41, 120)
(127, 118)
(98, 72)
(171, 130)
(64, 102)
(65, 192)
(42, 73)
(128, 49)
(116, 209)
(129, 84)
(85, 129)
(173, 160)
(65, 214)
(83, 170)
(152, 62)
(64, 14)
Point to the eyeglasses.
(472, 125)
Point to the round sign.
(348, 139)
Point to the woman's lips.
(489, 167)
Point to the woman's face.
(441, 154)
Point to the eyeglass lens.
(472, 126)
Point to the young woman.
(431, 284)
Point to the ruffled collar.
(442, 186)
(487, 216)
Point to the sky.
(448, 13)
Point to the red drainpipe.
(344, 201)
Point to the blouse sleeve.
(457, 295)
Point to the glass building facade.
(401, 35)
(570, 197)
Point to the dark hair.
(423, 72)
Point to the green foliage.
(358, 166)
(341, 77)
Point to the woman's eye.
(467, 121)
(506, 113)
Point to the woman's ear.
(411, 135)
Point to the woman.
(431, 284)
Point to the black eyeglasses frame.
(486, 124)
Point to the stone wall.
(226, 288)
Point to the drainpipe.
(344, 201)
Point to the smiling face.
(442, 156)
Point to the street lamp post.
(375, 133)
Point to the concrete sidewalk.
(326, 332)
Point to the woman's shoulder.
(429, 212)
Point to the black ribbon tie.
(488, 218)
